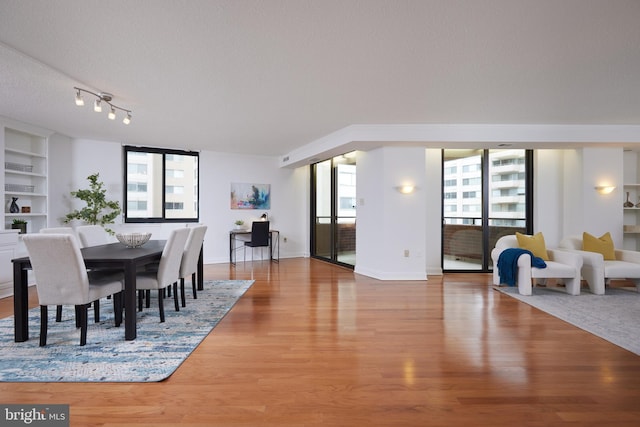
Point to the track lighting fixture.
(97, 104)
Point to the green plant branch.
(98, 210)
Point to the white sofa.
(562, 265)
(598, 272)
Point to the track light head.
(127, 119)
(112, 114)
(79, 100)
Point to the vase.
(628, 203)
(14, 208)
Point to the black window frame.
(164, 152)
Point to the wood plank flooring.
(312, 344)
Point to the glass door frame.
(488, 241)
(334, 217)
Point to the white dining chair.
(71, 232)
(189, 263)
(92, 235)
(168, 271)
(61, 230)
(62, 279)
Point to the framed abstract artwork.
(250, 196)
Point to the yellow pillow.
(535, 244)
(602, 245)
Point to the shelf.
(15, 193)
(31, 174)
(25, 153)
(22, 215)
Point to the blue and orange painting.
(250, 196)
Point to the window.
(450, 182)
(175, 189)
(472, 181)
(137, 187)
(162, 185)
(347, 202)
(174, 205)
(469, 195)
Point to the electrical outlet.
(406, 253)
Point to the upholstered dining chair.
(168, 271)
(189, 263)
(560, 265)
(61, 230)
(259, 237)
(598, 270)
(92, 235)
(71, 232)
(62, 279)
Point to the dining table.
(111, 256)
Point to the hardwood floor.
(311, 344)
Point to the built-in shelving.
(25, 178)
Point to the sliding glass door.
(333, 209)
(486, 195)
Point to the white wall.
(585, 209)
(60, 178)
(548, 193)
(71, 161)
(603, 212)
(389, 222)
(433, 211)
(289, 201)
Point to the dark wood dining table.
(112, 255)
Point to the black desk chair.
(259, 237)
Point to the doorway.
(333, 210)
(486, 194)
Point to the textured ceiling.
(268, 76)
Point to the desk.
(233, 234)
(113, 255)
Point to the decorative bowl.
(133, 240)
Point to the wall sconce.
(264, 217)
(605, 189)
(97, 104)
(406, 188)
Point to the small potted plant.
(239, 223)
(20, 224)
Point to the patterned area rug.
(160, 348)
(613, 316)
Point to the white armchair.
(562, 265)
(598, 272)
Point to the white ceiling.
(269, 76)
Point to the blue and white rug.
(614, 316)
(158, 350)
